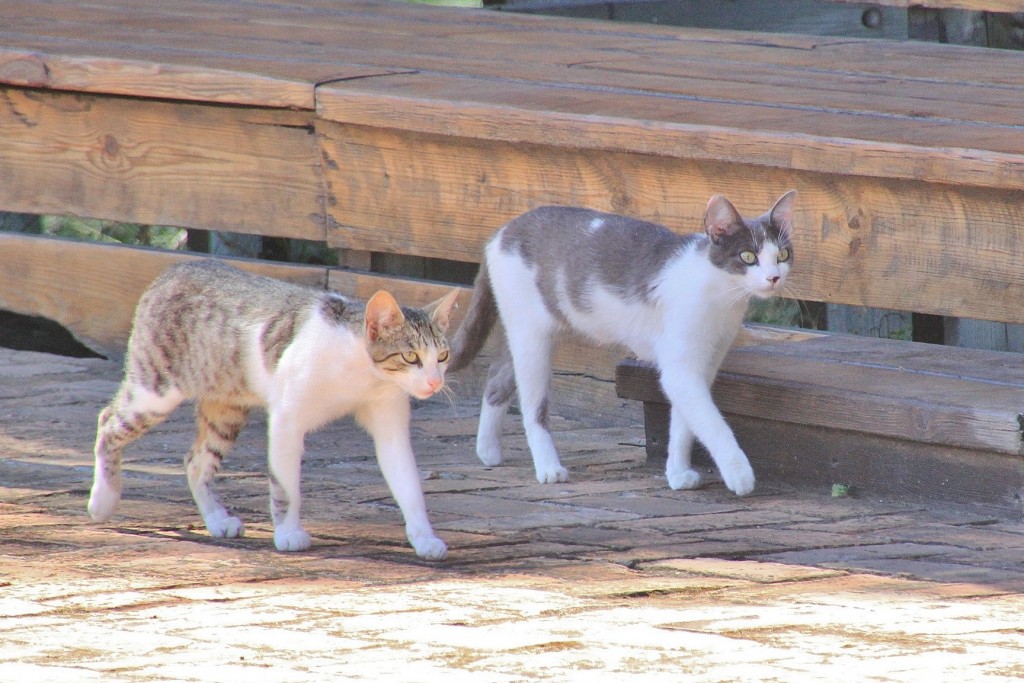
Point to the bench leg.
(656, 419)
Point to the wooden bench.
(392, 129)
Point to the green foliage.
(774, 311)
(449, 3)
(118, 233)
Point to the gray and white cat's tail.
(476, 324)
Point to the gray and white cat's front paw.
(738, 475)
(429, 547)
(292, 540)
(682, 479)
(489, 453)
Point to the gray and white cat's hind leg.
(218, 427)
(531, 354)
(498, 393)
(132, 412)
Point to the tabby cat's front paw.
(103, 502)
(430, 548)
(552, 474)
(292, 540)
(225, 526)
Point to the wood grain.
(187, 165)
(976, 5)
(955, 397)
(814, 138)
(901, 245)
(805, 456)
(92, 289)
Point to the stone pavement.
(610, 577)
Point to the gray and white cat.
(232, 341)
(675, 300)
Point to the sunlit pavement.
(611, 576)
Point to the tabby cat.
(232, 341)
(675, 300)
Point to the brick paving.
(611, 576)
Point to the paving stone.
(761, 572)
(946, 572)
(847, 554)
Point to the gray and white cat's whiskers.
(677, 301)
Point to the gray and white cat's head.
(759, 251)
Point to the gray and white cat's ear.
(781, 214)
(721, 218)
(440, 311)
(382, 313)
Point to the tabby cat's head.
(759, 251)
(408, 345)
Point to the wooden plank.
(92, 289)
(264, 81)
(810, 456)
(976, 5)
(994, 369)
(561, 115)
(245, 170)
(824, 383)
(874, 466)
(423, 38)
(874, 243)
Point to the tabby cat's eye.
(411, 358)
(748, 257)
(442, 357)
(783, 255)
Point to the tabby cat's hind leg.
(218, 426)
(133, 411)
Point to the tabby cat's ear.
(382, 313)
(441, 310)
(782, 214)
(721, 218)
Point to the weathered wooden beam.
(92, 289)
(904, 245)
(250, 170)
(923, 393)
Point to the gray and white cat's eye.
(748, 257)
(783, 255)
